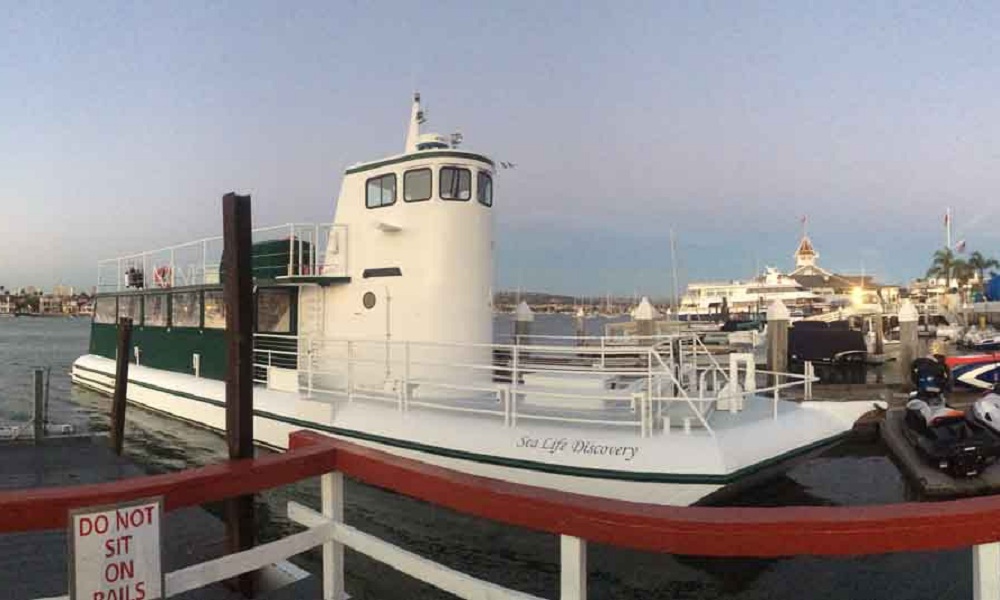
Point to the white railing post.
(309, 369)
(204, 261)
(774, 403)
(986, 571)
(314, 266)
(120, 277)
(508, 406)
(513, 386)
(573, 568)
(350, 371)
(603, 360)
(291, 248)
(301, 257)
(809, 380)
(406, 375)
(332, 499)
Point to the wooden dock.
(33, 565)
(931, 481)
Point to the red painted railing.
(709, 531)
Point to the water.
(852, 473)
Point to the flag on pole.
(960, 247)
(947, 217)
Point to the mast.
(673, 267)
(416, 118)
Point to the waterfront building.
(809, 288)
(835, 286)
(50, 305)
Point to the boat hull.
(625, 467)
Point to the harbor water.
(851, 473)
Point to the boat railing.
(577, 520)
(296, 250)
(650, 389)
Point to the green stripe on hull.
(636, 476)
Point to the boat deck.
(33, 564)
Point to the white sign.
(115, 552)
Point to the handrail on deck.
(706, 531)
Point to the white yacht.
(752, 297)
(377, 328)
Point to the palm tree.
(980, 263)
(942, 266)
(962, 271)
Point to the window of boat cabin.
(484, 189)
(130, 307)
(106, 310)
(417, 185)
(155, 313)
(380, 191)
(185, 309)
(215, 310)
(456, 184)
(274, 310)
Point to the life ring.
(161, 277)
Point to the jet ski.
(950, 439)
(976, 371)
(986, 410)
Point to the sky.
(123, 124)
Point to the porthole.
(369, 300)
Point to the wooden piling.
(121, 385)
(237, 291)
(778, 321)
(908, 341)
(39, 420)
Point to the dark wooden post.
(121, 385)
(40, 416)
(237, 291)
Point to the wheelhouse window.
(106, 310)
(155, 314)
(456, 184)
(185, 309)
(484, 193)
(274, 311)
(381, 191)
(130, 307)
(215, 310)
(417, 185)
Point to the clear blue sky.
(121, 125)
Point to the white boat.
(377, 328)
(703, 299)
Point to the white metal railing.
(648, 388)
(326, 529)
(313, 250)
